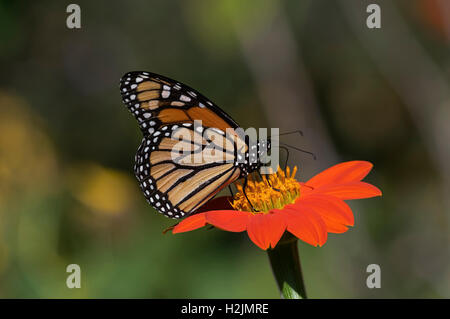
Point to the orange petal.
(190, 223)
(306, 225)
(334, 212)
(229, 220)
(265, 230)
(346, 172)
(335, 228)
(353, 190)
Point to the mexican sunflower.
(280, 203)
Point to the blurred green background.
(67, 143)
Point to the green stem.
(286, 268)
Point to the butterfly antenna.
(289, 133)
(292, 132)
(299, 149)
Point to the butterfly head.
(264, 147)
(254, 157)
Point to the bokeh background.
(67, 143)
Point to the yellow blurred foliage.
(27, 158)
(104, 190)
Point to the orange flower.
(308, 210)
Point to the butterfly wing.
(174, 182)
(156, 100)
(171, 178)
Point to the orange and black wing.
(155, 100)
(171, 178)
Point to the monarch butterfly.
(167, 111)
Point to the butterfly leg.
(287, 155)
(245, 194)
(231, 191)
(268, 181)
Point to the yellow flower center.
(274, 191)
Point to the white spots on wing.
(199, 129)
(215, 129)
(185, 98)
(154, 131)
